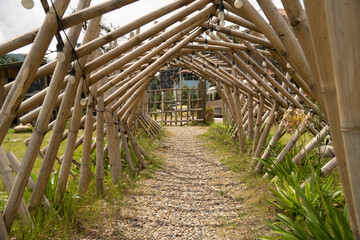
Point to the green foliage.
(315, 212)
(74, 215)
(5, 59)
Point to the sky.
(16, 20)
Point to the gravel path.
(192, 198)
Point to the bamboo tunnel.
(262, 65)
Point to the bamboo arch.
(315, 47)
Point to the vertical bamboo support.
(239, 122)
(70, 144)
(176, 106)
(113, 147)
(181, 105)
(100, 109)
(162, 108)
(125, 146)
(85, 158)
(343, 37)
(135, 146)
(258, 123)
(250, 117)
(156, 104)
(202, 102)
(265, 133)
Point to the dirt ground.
(193, 197)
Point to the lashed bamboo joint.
(264, 68)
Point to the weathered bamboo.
(3, 231)
(258, 123)
(291, 143)
(67, 22)
(239, 34)
(75, 120)
(15, 165)
(322, 49)
(296, 57)
(125, 146)
(250, 116)
(64, 111)
(135, 146)
(8, 179)
(12, 102)
(265, 132)
(343, 34)
(85, 158)
(311, 145)
(239, 123)
(100, 108)
(275, 138)
(145, 35)
(324, 170)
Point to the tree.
(5, 59)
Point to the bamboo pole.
(85, 159)
(158, 40)
(275, 138)
(239, 122)
(16, 94)
(3, 231)
(125, 146)
(291, 143)
(297, 57)
(324, 170)
(135, 146)
(258, 123)
(113, 145)
(311, 145)
(8, 179)
(250, 116)
(15, 165)
(343, 37)
(265, 132)
(75, 120)
(67, 22)
(145, 35)
(322, 49)
(60, 124)
(100, 109)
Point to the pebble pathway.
(193, 197)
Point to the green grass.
(76, 215)
(255, 192)
(18, 147)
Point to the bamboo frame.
(314, 40)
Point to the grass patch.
(91, 215)
(255, 192)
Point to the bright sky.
(16, 20)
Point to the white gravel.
(192, 198)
